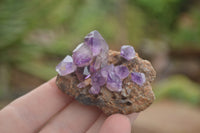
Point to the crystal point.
(127, 52)
(122, 71)
(99, 49)
(66, 66)
(96, 42)
(138, 78)
(82, 55)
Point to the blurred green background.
(35, 35)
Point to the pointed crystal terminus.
(138, 78)
(96, 42)
(66, 66)
(127, 52)
(82, 55)
(122, 71)
(99, 49)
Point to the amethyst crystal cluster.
(89, 62)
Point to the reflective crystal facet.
(82, 55)
(122, 71)
(86, 71)
(82, 73)
(127, 52)
(138, 78)
(66, 66)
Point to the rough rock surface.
(132, 98)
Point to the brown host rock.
(132, 98)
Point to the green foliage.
(135, 23)
(37, 69)
(188, 32)
(165, 11)
(17, 20)
(178, 88)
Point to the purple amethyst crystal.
(138, 78)
(105, 70)
(114, 83)
(127, 52)
(95, 89)
(66, 66)
(96, 42)
(122, 71)
(87, 76)
(99, 49)
(82, 55)
(98, 79)
(99, 62)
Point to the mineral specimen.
(116, 82)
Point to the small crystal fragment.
(127, 52)
(84, 83)
(138, 78)
(114, 83)
(87, 76)
(122, 71)
(81, 85)
(66, 66)
(95, 90)
(82, 55)
(86, 71)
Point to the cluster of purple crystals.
(90, 60)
